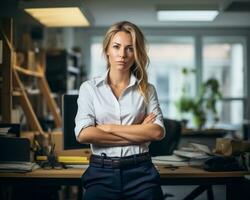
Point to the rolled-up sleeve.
(154, 106)
(85, 116)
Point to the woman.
(119, 115)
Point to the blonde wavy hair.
(140, 53)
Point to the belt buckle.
(116, 162)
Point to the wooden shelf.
(28, 72)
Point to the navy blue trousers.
(137, 182)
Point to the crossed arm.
(118, 135)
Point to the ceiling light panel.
(186, 15)
(70, 13)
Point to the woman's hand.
(104, 127)
(149, 119)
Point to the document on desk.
(77, 166)
(174, 160)
(194, 151)
(18, 166)
(189, 154)
(170, 160)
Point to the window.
(223, 59)
(168, 56)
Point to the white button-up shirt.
(98, 105)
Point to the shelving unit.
(43, 88)
(12, 85)
(25, 103)
(63, 70)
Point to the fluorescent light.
(59, 17)
(57, 13)
(186, 15)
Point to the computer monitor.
(69, 105)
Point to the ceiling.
(233, 13)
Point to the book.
(67, 159)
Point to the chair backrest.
(170, 142)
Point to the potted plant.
(203, 103)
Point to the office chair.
(171, 140)
(169, 143)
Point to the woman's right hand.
(149, 119)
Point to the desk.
(179, 176)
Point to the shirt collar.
(104, 79)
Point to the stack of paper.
(170, 160)
(4, 131)
(192, 155)
(15, 166)
(194, 150)
(196, 153)
(77, 166)
(201, 148)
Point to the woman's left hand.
(149, 119)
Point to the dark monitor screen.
(69, 112)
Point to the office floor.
(180, 192)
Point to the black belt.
(119, 162)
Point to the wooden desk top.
(193, 172)
(181, 172)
